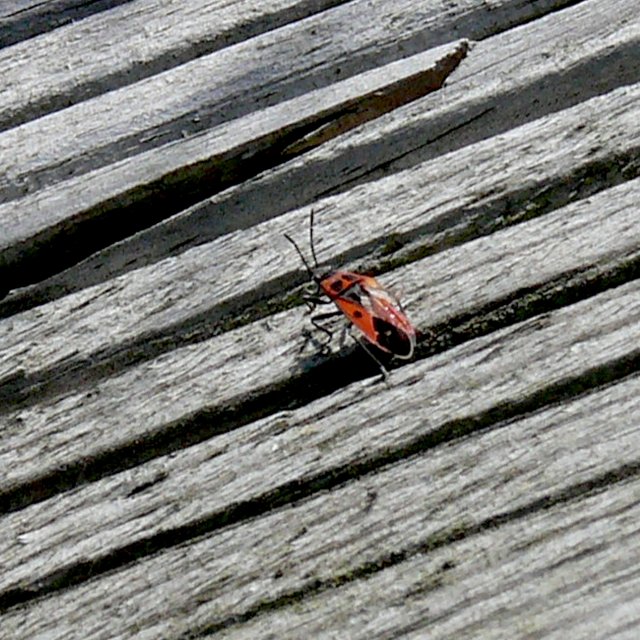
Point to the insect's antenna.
(304, 260)
(313, 249)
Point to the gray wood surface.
(493, 91)
(170, 387)
(122, 189)
(179, 459)
(159, 297)
(23, 19)
(137, 39)
(374, 426)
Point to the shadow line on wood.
(46, 16)
(146, 243)
(37, 23)
(578, 491)
(550, 94)
(295, 491)
(57, 246)
(315, 380)
(22, 390)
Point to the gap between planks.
(199, 166)
(358, 431)
(188, 299)
(553, 467)
(482, 99)
(83, 429)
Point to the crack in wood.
(297, 490)
(578, 491)
(381, 101)
(21, 390)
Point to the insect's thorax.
(342, 284)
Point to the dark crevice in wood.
(159, 236)
(318, 378)
(583, 490)
(20, 390)
(500, 113)
(304, 488)
(530, 302)
(22, 27)
(58, 247)
(46, 16)
(462, 225)
(313, 131)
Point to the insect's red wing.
(373, 310)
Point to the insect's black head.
(321, 273)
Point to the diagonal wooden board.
(617, 36)
(154, 301)
(482, 93)
(81, 418)
(503, 83)
(561, 570)
(363, 434)
(357, 430)
(127, 43)
(114, 192)
(252, 74)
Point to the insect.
(376, 314)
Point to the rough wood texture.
(179, 459)
(485, 380)
(135, 41)
(316, 444)
(121, 191)
(162, 391)
(493, 91)
(159, 298)
(22, 19)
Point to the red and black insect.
(377, 314)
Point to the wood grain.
(81, 417)
(357, 430)
(549, 461)
(504, 82)
(134, 41)
(23, 19)
(122, 193)
(156, 300)
(179, 459)
(184, 101)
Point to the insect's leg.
(383, 371)
(316, 321)
(313, 301)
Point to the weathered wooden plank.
(22, 19)
(124, 191)
(440, 520)
(79, 413)
(493, 90)
(570, 572)
(119, 47)
(357, 430)
(229, 83)
(197, 292)
(512, 78)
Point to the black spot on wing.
(357, 314)
(391, 338)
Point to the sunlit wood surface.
(179, 460)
